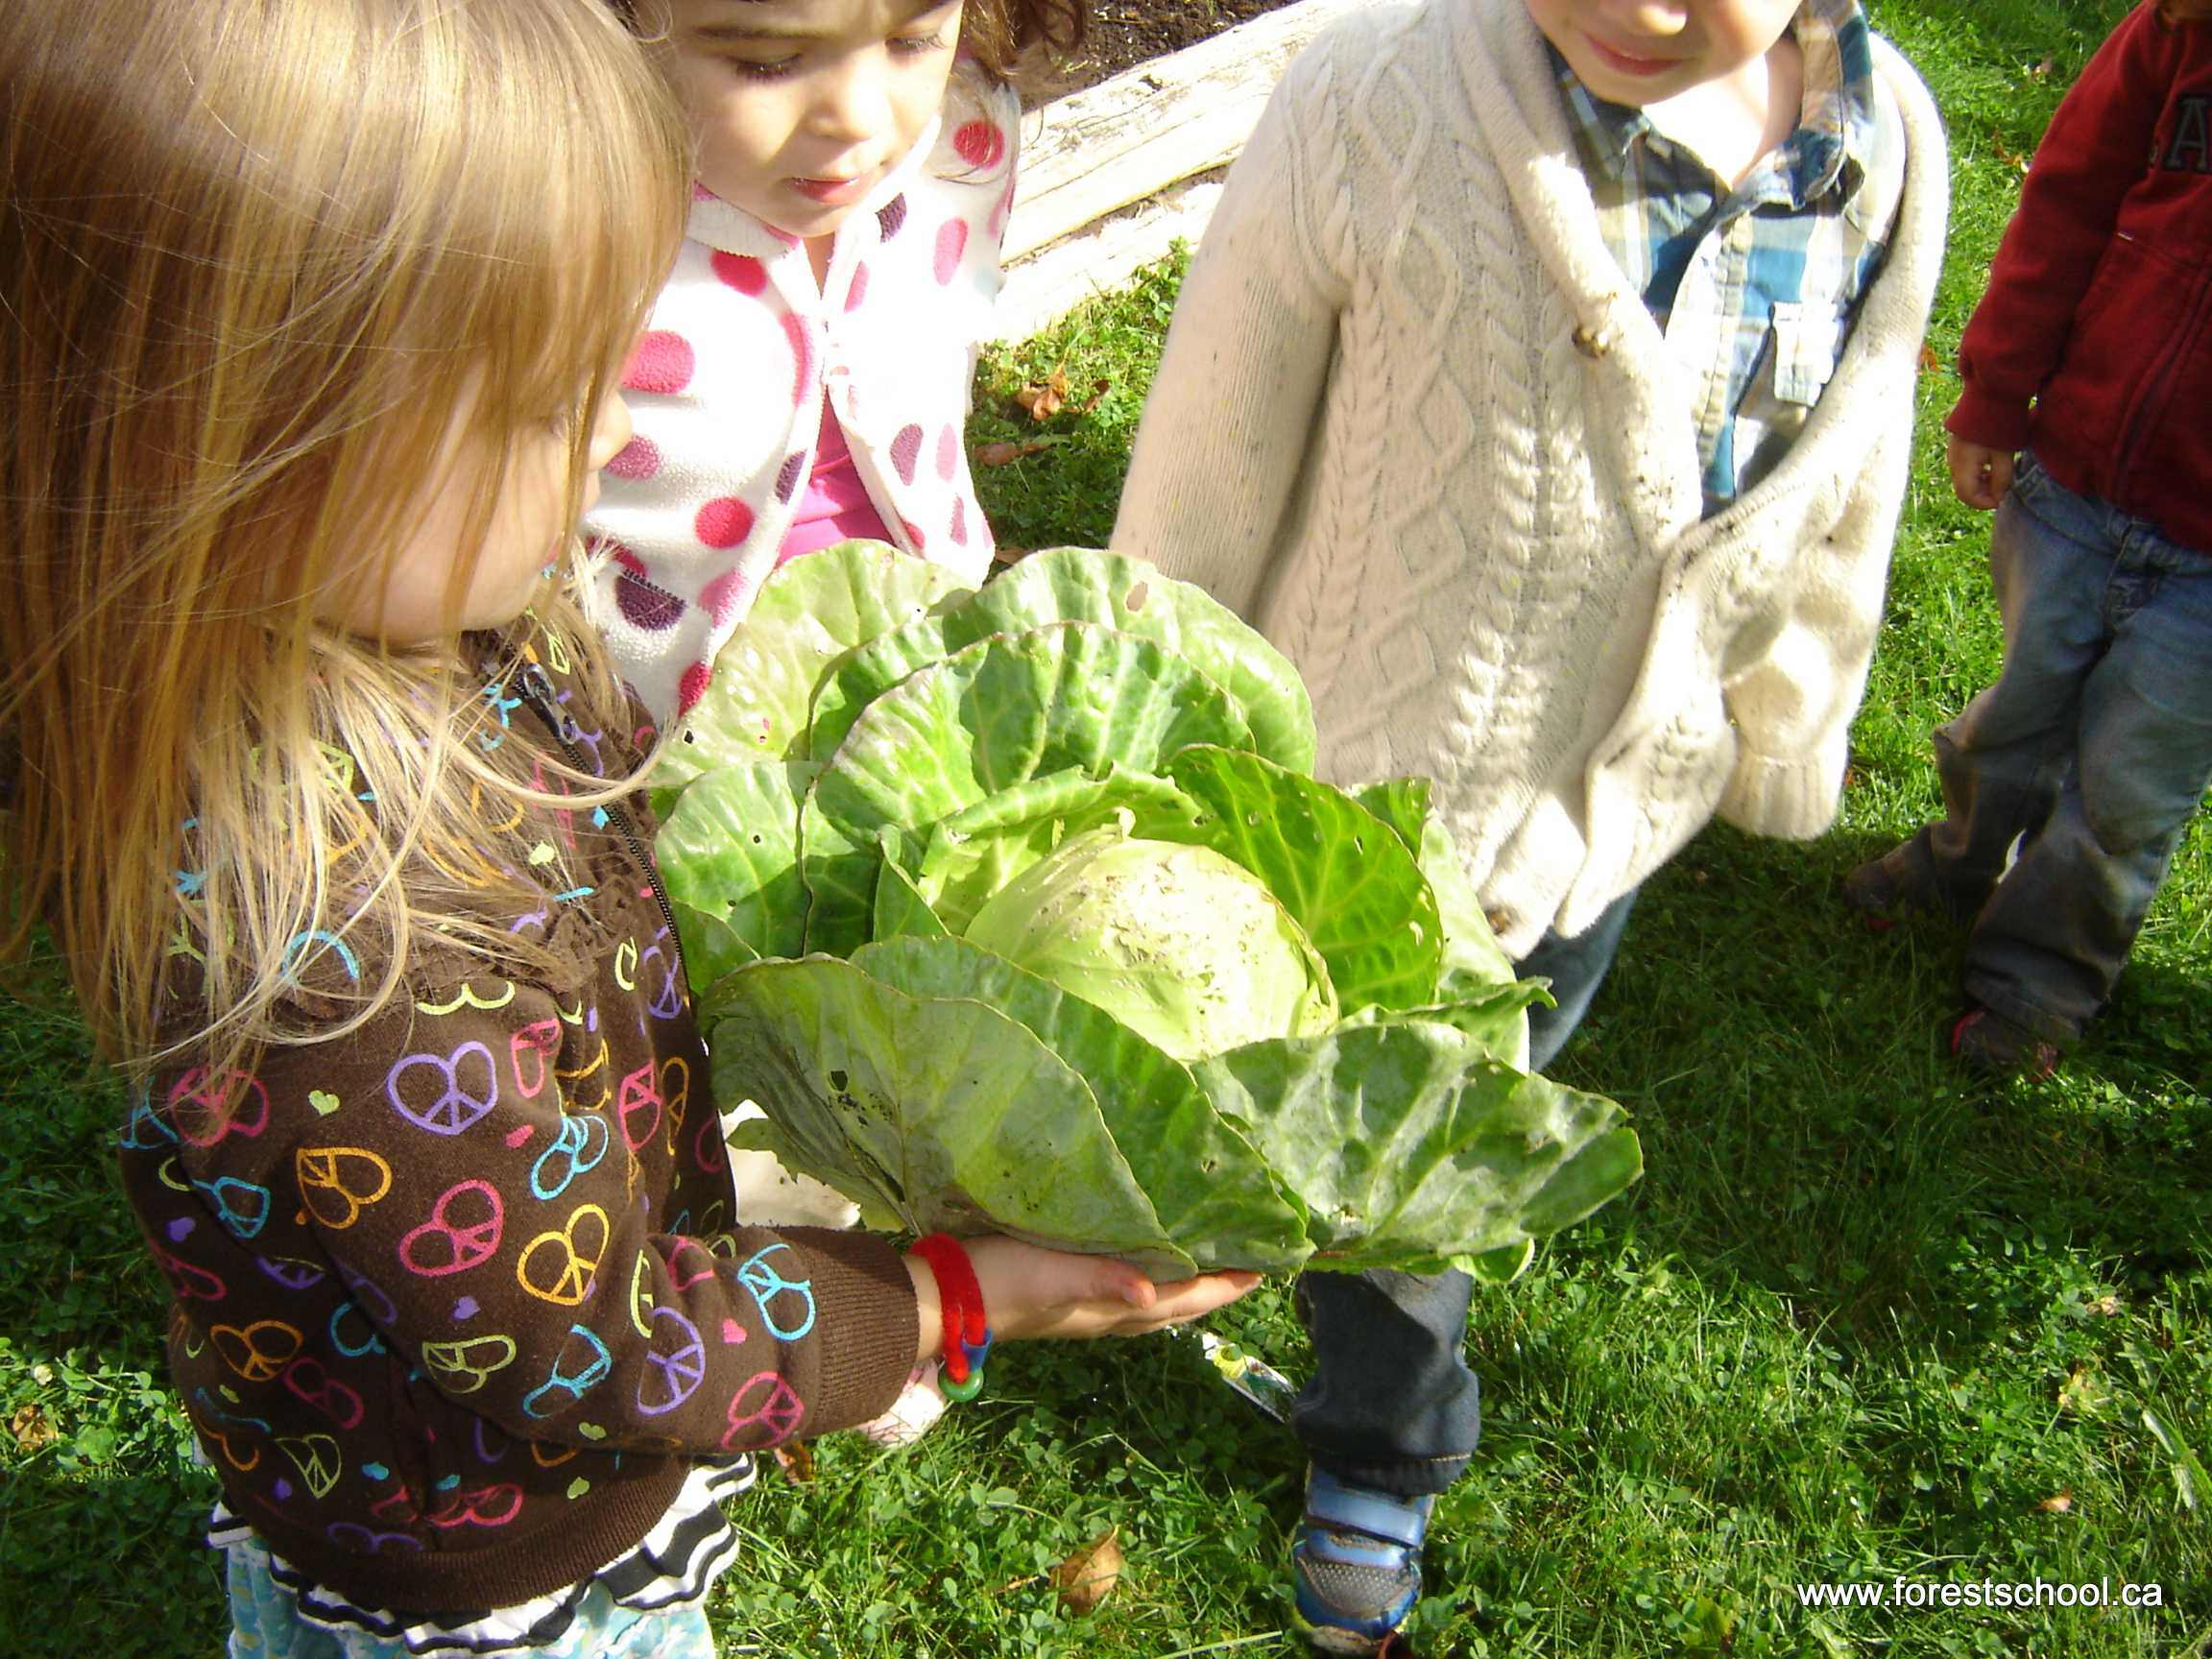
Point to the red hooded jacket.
(2093, 346)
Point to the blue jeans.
(1392, 1405)
(2091, 750)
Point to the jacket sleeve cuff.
(1982, 417)
(1795, 800)
(864, 1304)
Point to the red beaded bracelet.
(960, 1303)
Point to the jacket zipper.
(548, 712)
(2153, 394)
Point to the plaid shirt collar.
(1834, 132)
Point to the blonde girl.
(804, 377)
(314, 309)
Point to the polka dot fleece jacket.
(727, 386)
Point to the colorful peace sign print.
(766, 1411)
(469, 997)
(143, 1131)
(461, 1232)
(241, 1206)
(676, 1374)
(306, 1378)
(767, 1284)
(465, 1367)
(577, 1149)
(290, 1271)
(706, 1145)
(493, 1505)
(577, 1384)
(555, 1268)
(668, 990)
(259, 1351)
(640, 1094)
(597, 1067)
(439, 1092)
(316, 1457)
(337, 1183)
(207, 1106)
(540, 1040)
(196, 1284)
(676, 1090)
(221, 1441)
(373, 1300)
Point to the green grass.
(1861, 1320)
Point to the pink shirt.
(836, 506)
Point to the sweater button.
(1592, 343)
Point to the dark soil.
(1126, 33)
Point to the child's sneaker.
(1991, 1044)
(1357, 1564)
(1878, 889)
(913, 1414)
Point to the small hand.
(1980, 474)
(1029, 1291)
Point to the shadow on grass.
(1804, 1127)
(107, 1565)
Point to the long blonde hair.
(253, 257)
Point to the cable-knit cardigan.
(1415, 423)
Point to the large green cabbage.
(1018, 908)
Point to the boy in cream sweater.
(1544, 388)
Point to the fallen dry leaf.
(2107, 1305)
(2042, 70)
(1088, 1576)
(2058, 1503)
(1042, 399)
(1930, 363)
(1045, 399)
(31, 1428)
(1005, 454)
(1005, 555)
(796, 1458)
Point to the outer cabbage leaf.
(711, 946)
(1411, 1145)
(1401, 802)
(902, 908)
(1082, 585)
(1472, 956)
(805, 617)
(992, 716)
(1212, 1191)
(729, 850)
(946, 1113)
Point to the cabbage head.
(1018, 908)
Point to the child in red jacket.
(2091, 352)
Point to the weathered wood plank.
(1046, 285)
(1095, 151)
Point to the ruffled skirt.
(643, 1604)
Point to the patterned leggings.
(266, 1623)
